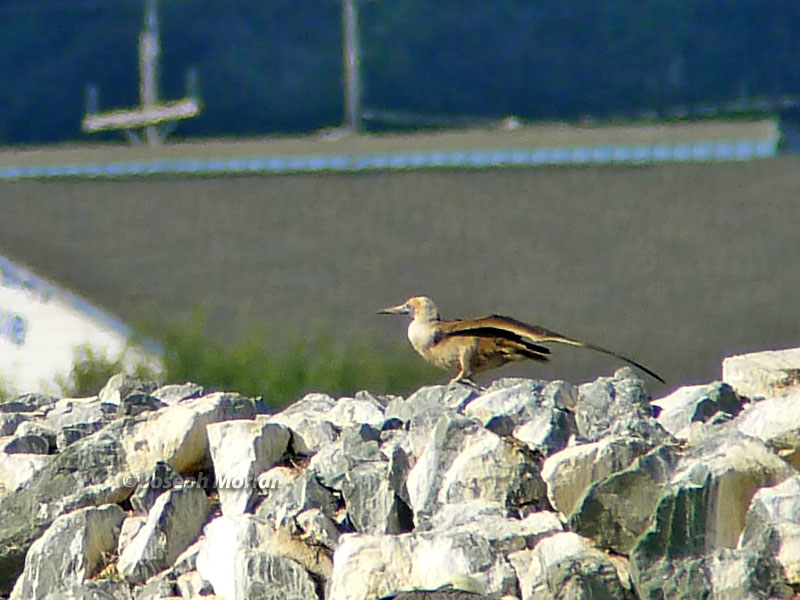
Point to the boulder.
(712, 402)
(776, 422)
(241, 450)
(174, 522)
(72, 549)
(569, 473)
(763, 374)
(566, 566)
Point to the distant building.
(41, 325)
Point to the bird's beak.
(400, 309)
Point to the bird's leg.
(465, 373)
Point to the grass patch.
(92, 368)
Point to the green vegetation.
(255, 367)
(92, 368)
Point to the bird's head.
(420, 307)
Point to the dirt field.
(675, 265)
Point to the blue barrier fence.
(702, 151)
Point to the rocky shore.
(529, 489)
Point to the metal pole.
(148, 66)
(352, 65)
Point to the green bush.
(92, 368)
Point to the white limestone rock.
(172, 524)
(776, 422)
(241, 450)
(763, 374)
(72, 549)
(711, 402)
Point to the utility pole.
(149, 49)
(352, 65)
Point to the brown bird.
(470, 346)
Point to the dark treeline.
(276, 65)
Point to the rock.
(242, 556)
(776, 422)
(162, 478)
(130, 527)
(317, 528)
(373, 505)
(9, 421)
(28, 403)
(565, 565)
(463, 461)
(352, 411)
(617, 406)
(288, 493)
(119, 386)
(30, 443)
(102, 589)
(505, 534)
(569, 473)
(136, 403)
(438, 398)
(367, 566)
(240, 450)
(309, 424)
(617, 510)
(69, 435)
(355, 445)
(521, 408)
(176, 393)
(18, 469)
(172, 524)
(772, 526)
(104, 468)
(703, 511)
(715, 402)
(80, 412)
(762, 374)
(192, 585)
(72, 549)
(37, 428)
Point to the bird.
(469, 346)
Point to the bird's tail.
(573, 342)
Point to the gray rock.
(176, 393)
(763, 374)
(373, 505)
(697, 403)
(30, 443)
(101, 589)
(318, 529)
(274, 578)
(9, 421)
(617, 406)
(355, 445)
(772, 526)
(569, 473)
(172, 524)
(236, 548)
(162, 478)
(702, 511)
(240, 450)
(776, 422)
(104, 467)
(617, 510)
(136, 403)
(81, 412)
(192, 585)
(308, 421)
(121, 385)
(463, 461)
(435, 397)
(28, 403)
(289, 492)
(69, 435)
(565, 566)
(69, 552)
(367, 566)
(366, 410)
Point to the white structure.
(41, 325)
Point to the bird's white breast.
(421, 334)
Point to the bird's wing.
(530, 335)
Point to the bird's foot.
(467, 382)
